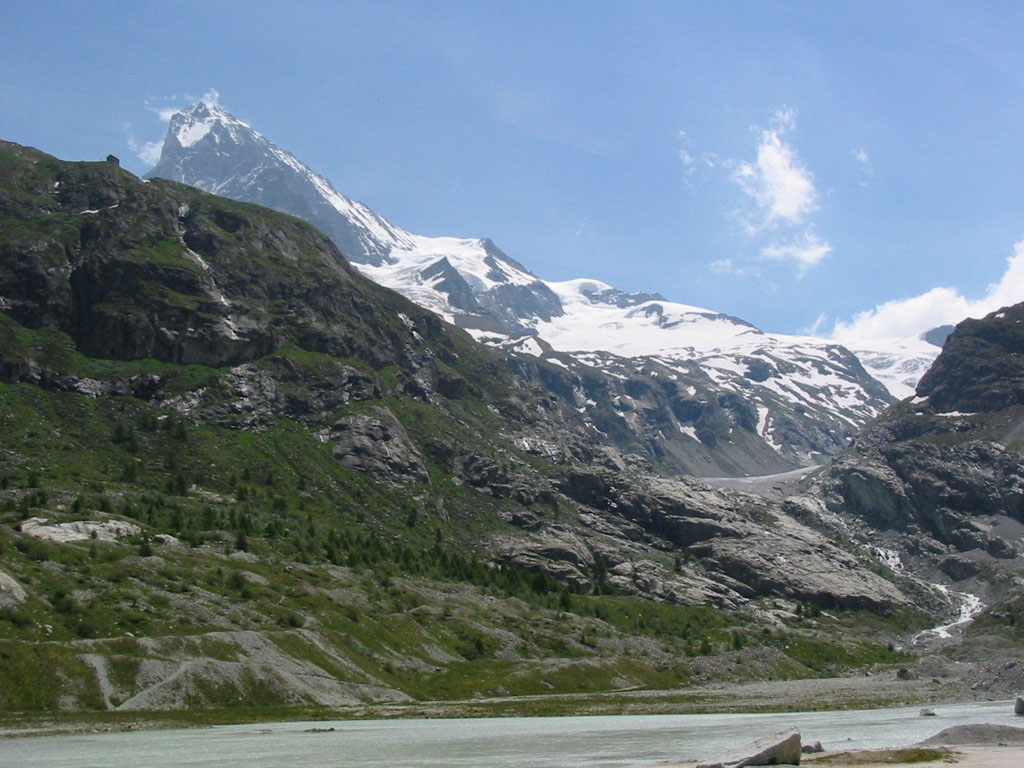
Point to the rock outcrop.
(376, 443)
(941, 475)
(781, 750)
(11, 592)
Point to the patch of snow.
(529, 346)
(689, 432)
(898, 364)
(189, 133)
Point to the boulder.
(377, 444)
(812, 747)
(79, 530)
(11, 592)
(783, 749)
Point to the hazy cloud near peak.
(147, 151)
(939, 306)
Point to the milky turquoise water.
(549, 742)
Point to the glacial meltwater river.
(612, 741)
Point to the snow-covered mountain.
(691, 388)
(466, 280)
(737, 397)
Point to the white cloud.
(687, 157)
(780, 197)
(147, 151)
(939, 306)
(866, 168)
(806, 251)
(816, 326)
(784, 118)
(729, 267)
(778, 182)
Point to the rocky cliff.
(940, 477)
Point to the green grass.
(875, 757)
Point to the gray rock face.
(281, 387)
(782, 750)
(81, 530)
(942, 476)
(11, 592)
(744, 546)
(377, 444)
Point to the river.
(619, 741)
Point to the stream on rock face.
(603, 741)
(970, 607)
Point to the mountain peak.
(204, 118)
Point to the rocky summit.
(237, 473)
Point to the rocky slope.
(236, 470)
(695, 391)
(938, 481)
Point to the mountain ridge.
(806, 396)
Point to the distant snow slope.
(898, 363)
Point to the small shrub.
(33, 549)
(236, 580)
(15, 617)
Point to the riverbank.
(883, 690)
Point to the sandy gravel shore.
(965, 757)
(979, 745)
(962, 757)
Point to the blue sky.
(793, 164)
